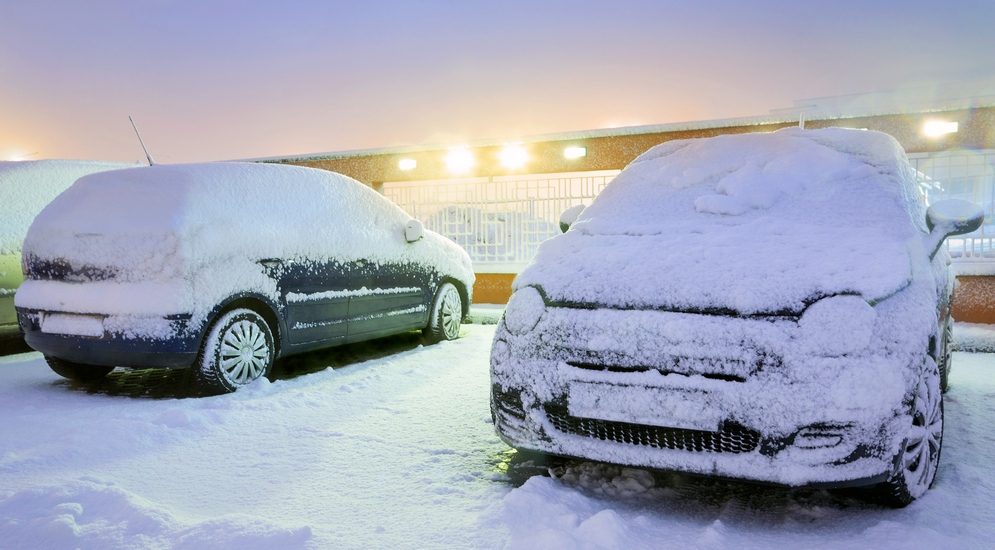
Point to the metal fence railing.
(499, 221)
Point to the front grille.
(730, 439)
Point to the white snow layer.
(174, 239)
(400, 453)
(974, 337)
(754, 222)
(27, 186)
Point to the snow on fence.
(499, 221)
(968, 175)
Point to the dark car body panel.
(113, 349)
(346, 303)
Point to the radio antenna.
(147, 155)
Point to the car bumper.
(778, 420)
(115, 342)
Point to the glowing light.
(460, 160)
(18, 156)
(936, 128)
(575, 152)
(513, 156)
(407, 164)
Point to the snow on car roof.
(753, 222)
(27, 186)
(211, 223)
(272, 210)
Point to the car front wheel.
(237, 350)
(920, 454)
(447, 314)
(77, 371)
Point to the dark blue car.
(224, 267)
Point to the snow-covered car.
(225, 267)
(765, 307)
(25, 188)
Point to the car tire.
(237, 350)
(920, 455)
(77, 371)
(944, 355)
(446, 315)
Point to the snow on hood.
(755, 223)
(27, 186)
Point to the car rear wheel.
(447, 314)
(77, 371)
(237, 350)
(920, 454)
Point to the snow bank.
(197, 232)
(754, 223)
(974, 337)
(27, 186)
(89, 513)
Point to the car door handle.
(271, 262)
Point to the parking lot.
(389, 444)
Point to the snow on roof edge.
(757, 120)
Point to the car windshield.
(787, 181)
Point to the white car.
(767, 307)
(224, 267)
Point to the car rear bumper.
(117, 345)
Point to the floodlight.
(575, 152)
(937, 128)
(460, 160)
(513, 156)
(407, 164)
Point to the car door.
(394, 298)
(316, 296)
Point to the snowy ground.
(398, 452)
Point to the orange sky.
(222, 80)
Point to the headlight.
(525, 308)
(837, 325)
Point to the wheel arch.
(257, 303)
(463, 294)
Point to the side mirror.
(569, 216)
(413, 231)
(950, 217)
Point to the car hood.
(752, 223)
(716, 269)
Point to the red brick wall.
(974, 299)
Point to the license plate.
(72, 324)
(669, 408)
